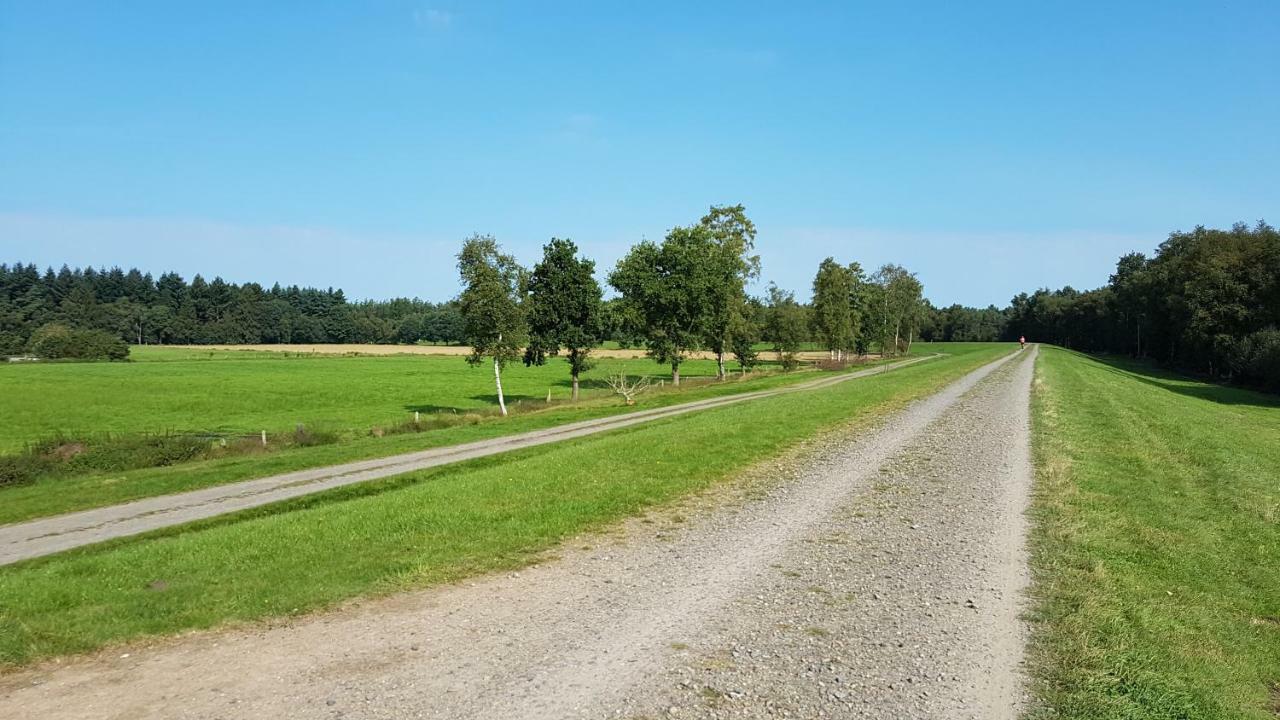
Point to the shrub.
(304, 437)
(11, 343)
(1258, 359)
(62, 456)
(58, 342)
(128, 452)
(23, 468)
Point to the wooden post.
(264, 438)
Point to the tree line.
(1207, 301)
(140, 309)
(683, 294)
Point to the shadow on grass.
(1197, 388)
(428, 409)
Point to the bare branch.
(627, 388)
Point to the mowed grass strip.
(1156, 545)
(423, 528)
(56, 495)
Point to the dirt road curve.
(879, 576)
(22, 541)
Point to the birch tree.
(734, 266)
(900, 302)
(832, 309)
(492, 305)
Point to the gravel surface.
(870, 576)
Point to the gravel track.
(876, 576)
(45, 536)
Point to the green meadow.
(182, 390)
(243, 391)
(1156, 550)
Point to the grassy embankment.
(229, 392)
(422, 528)
(1156, 547)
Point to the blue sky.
(990, 147)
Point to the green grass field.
(195, 389)
(1156, 548)
(172, 389)
(421, 528)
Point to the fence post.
(264, 438)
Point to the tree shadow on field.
(511, 399)
(428, 409)
(585, 383)
(1197, 388)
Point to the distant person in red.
(1022, 341)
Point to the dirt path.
(879, 577)
(22, 541)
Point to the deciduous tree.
(668, 288)
(734, 265)
(832, 308)
(564, 308)
(492, 304)
(788, 326)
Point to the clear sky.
(990, 147)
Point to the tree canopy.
(1205, 301)
(492, 305)
(564, 308)
(726, 324)
(139, 308)
(833, 318)
(669, 287)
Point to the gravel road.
(23, 541)
(877, 575)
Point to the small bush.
(302, 437)
(23, 468)
(1259, 359)
(435, 421)
(60, 342)
(126, 452)
(62, 456)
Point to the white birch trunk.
(497, 378)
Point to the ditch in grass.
(1156, 545)
(419, 529)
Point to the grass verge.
(1156, 545)
(418, 529)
